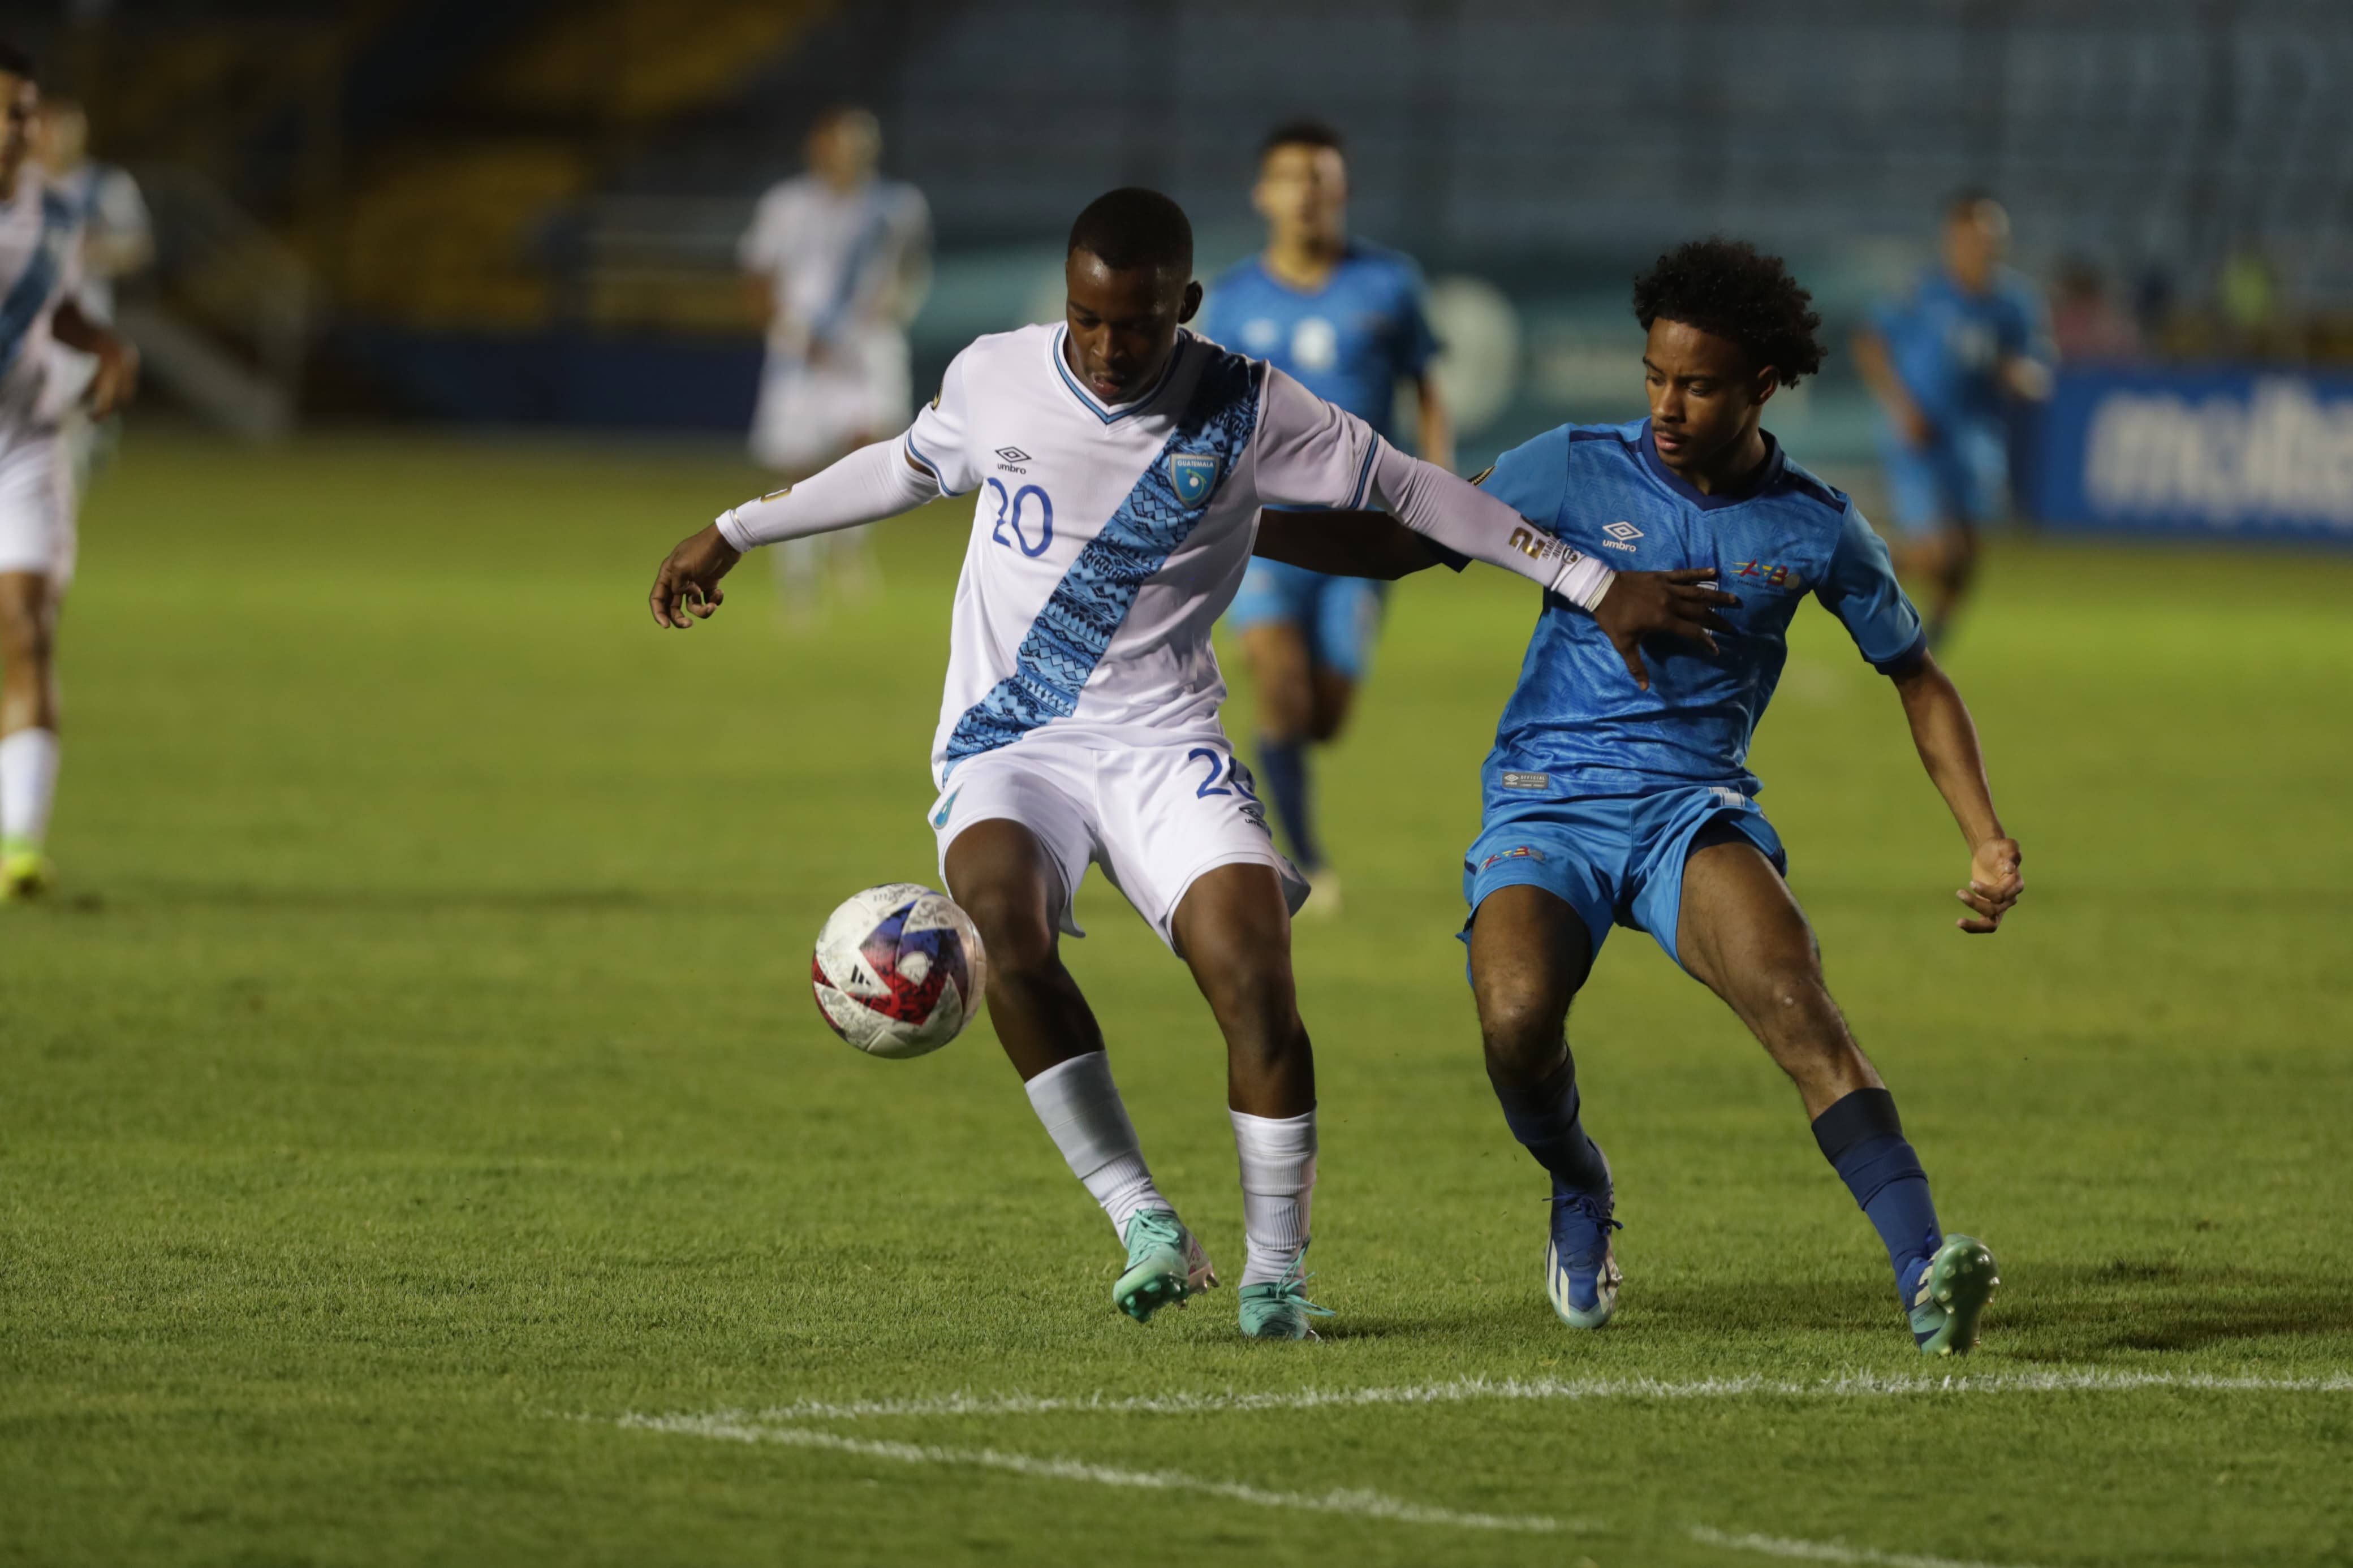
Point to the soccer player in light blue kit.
(1617, 792)
(1346, 319)
(1942, 362)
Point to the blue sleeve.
(1862, 592)
(1532, 479)
(1417, 340)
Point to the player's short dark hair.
(1302, 133)
(1133, 226)
(1732, 290)
(15, 62)
(1965, 202)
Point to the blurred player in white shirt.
(1121, 466)
(118, 241)
(843, 260)
(40, 250)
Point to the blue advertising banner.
(2150, 449)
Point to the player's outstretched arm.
(870, 484)
(1947, 740)
(1346, 544)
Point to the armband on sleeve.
(872, 483)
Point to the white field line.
(1844, 1386)
(1359, 1504)
(1824, 1551)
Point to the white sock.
(28, 783)
(1278, 1161)
(1082, 1109)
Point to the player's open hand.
(1995, 883)
(1679, 604)
(686, 589)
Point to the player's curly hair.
(1732, 290)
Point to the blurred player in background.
(1346, 318)
(841, 260)
(118, 242)
(40, 250)
(1121, 463)
(1942, 362)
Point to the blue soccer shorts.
(1339, 616)
(1961, 476)
(1615, 860)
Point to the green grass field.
(415, 1080)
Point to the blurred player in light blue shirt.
(1942, 362)
(1347, 318)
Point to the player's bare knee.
(1522, 1027)
(1016, 930)
(1252, 993)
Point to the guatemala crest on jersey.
(1195, 475)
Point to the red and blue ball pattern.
(898, 970)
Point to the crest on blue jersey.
(1195, 475)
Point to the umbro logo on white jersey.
(1013, 453)
(1622, 535)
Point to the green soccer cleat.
(1953, 1295)
(24, 871)
(1280, 1309)
(1165, 1265)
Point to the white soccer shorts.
(36, 508)
(809, 415)
(1156, 817)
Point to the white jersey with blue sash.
(1107, 539)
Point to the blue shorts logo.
(1194, 475)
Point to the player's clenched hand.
(1995, 883)
(686, 589)
(1652, 604)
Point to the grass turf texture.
(417, 1073)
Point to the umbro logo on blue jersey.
(1622, 535)
(1195, 475)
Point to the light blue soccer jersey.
(1948, 345)
(1578, 725)
(1348, 343)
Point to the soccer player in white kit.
(1120, 464)
(40, 237)
(118, 240)
(842, 260)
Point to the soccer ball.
(899, 971)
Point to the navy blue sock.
(1283, 765)
(1543, 1118)
(1863, 1141)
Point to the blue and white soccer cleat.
(1165, 1265)
(1581, 1273)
